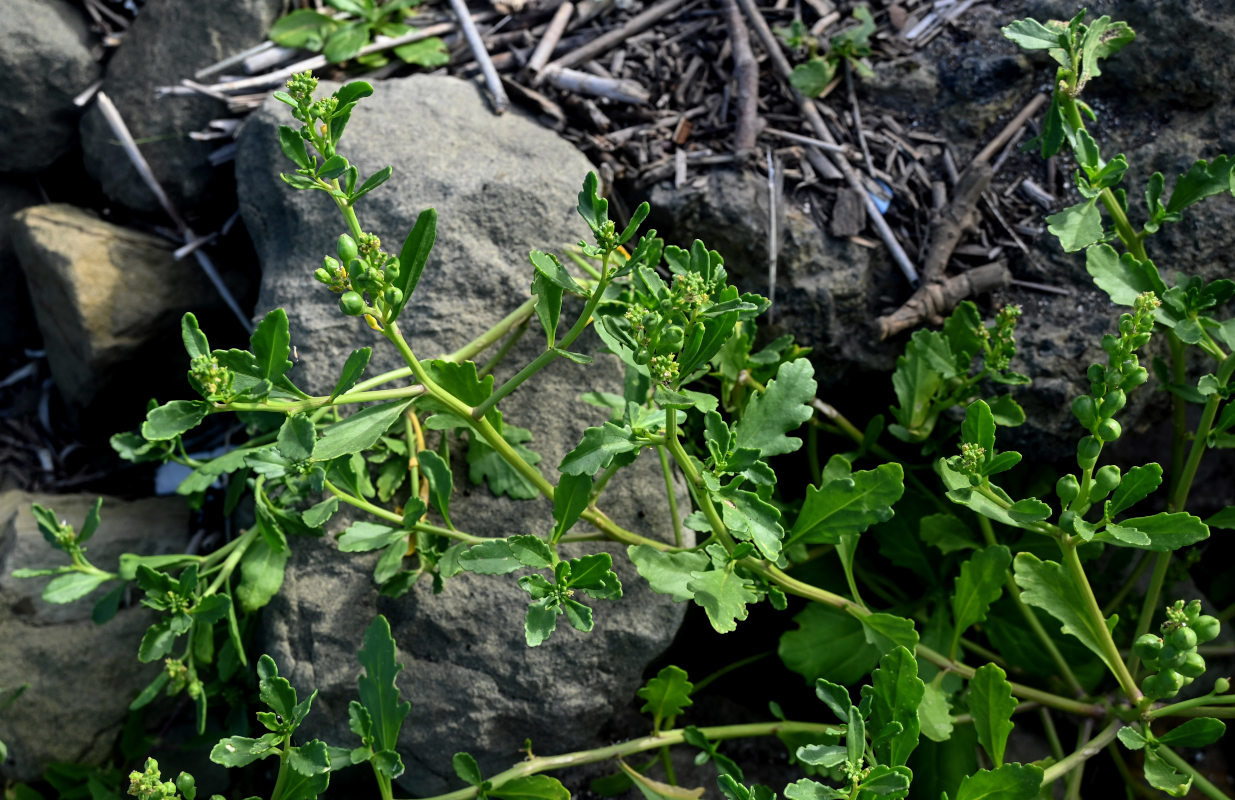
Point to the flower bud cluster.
(660, 328)
(214, 380)
(999, 340)
(149, 785)
(1173, 656)
(362, 267)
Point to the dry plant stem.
(552, 35)
(538, 764)
(500, 102)
(121, 130)
(746, 74)
(808, 109)
(599, 45)
(931, 301)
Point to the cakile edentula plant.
(938, 604)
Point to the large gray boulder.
(502, 186)
(80, 677)
(169, 41)
(45, 54)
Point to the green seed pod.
(671, 339)
(1147, 646)
(1108, 430)
(330, 263)
(1222, 686)
(1067, 488)
(1113, 403)
(1171, 657)
(393, 271)
(393, 295)
(355, 268)
(1134, 378)
(649, 320)
(642, 356)
(1194, 664)
(1183, 639)
(1087, 451)
(346, 248)
(1104, 482)
(323, 275)
(1085, 411)
(1206, 628)
(351, 303)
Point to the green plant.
(849, 48)
(342, 38)
(1021, 594)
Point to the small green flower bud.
(323, 276)
(1087, 452)
(1206, 628)
(1194, 664)
(351, 303)
(649, 320)
(1067, 488)
(1222, 686)
(1134, 378)
(642, 356)
(671, 339)
(1108, 430)
(346, 248)
(393, 295)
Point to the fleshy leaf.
(378, 693)
(1160, 533)
(1009, 782)
(991, 705)
(1045, 585)
(358, 432)
(667, 573)
(896, 694)
(781, 408)
(1076, 226)
(979, 584)
(724, 595)
(597, 449)
(172, 419)
(847, 503)
(829, 644)
(353, 368)
(667, 695)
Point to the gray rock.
(501, 186)
(108, 301)
(81, 677)
(45, 52)
(167, 42)
(16, 316)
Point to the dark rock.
(45, 54)
(825, 286)
(16, 316)
(167, 42)
(81, 677)
(501, 186)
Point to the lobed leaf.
(979, 584)
(781, 408)
(896, 693)
(358, 432)
(1045, 585)
(991, 705)
(378, 693)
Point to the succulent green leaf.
(886, 631)
(781, 408)
(293, 147)
(551, 269)
(540, 622)
(275, 692)
(946, 532)
(548, 306)
(979, 584)
(1137, 484)
(724, 595)
(812, 77)
(806, 789)
(195, 342)
(578, 615)
(1199, 732)
(466, 768)
(594, 574)
(934, 714)
(1077, 226)
(1224, 519)
(430, 52)
(261, 574)
(531, 551)
(848, 503)
(309, 759)
(441, 481)
(531, 787)
(302, 29)
(487, 466)
(823, 755)
(1046, 585)
(361, 537)
(490, 558)
(378, 693)
(1123, 278)
(884, 781)
(830, 644)
(1131, 738)
(271, 345)
(303, 787)
(352, 91)
(345, 42)
(750, 518)
(991, 705)
(979, 427)
(1009, 782)
(372, 182)
(1204, 179)
(1029, 510)
(353, 368)
(358, 432)
(597, 449)
(1160, 533)
(570, 500)
(667, 573)
(1033, 35)
(296, 437)
(593, 208)
(835, 697)
(667, 695)
(172, 419)
(415, 253)
(73, 586)
(238, 751)
(318, 515)
(897, 693)
(1164, 777)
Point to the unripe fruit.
(393, 272)
(330, 263)
(672, 337)
(322, 275)
(1108, 430)
(346, 248)
(1222, 686)
(1085, 411)
(1113, 403)
(1183, 638)
(1087, 451)
(1206, 628)
(649, 320)
(355, 268)
(392, 295)
(1193, 666)
(1147, 646)
(1104, 482)
(351, 303)
(1171, 657)
(642, 356)
(1134, 378)
(1067, 488)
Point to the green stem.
(1091, 749)
(277, 792)
(1149, 605)
(1179, 709)
(1198, 780)
(672, 496)
(1179, 409)
(539, 764)
(1110, 651)
(1031, 619)
(725, 670)
(674, 445)
(325, 401)
(1078, 772)
(507, 345)
(545, 358)
(239, 547)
